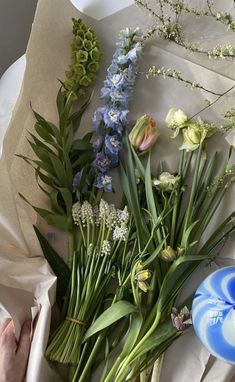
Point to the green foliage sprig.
(59, 154)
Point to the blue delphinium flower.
(104, 181)
(102, 162)
(112, 144)
(76, 180)
(110, 119)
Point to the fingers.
(4, 324)
(8, 339)
(24, 341)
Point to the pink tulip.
(144, 134)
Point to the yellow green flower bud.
(95, 54)
(79, 70)
(141, 276)
(93, 67)
(87, 44)
(168, 254)
(78, 42)
(143, 286)
(144, 133)
(89, 35)
(85, 81)
(82, 56)
(180, 251)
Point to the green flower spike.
(85, 60)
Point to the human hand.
(13, 356)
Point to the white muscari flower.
(106, 248)
(123, 216)
(87, 215)
(103, 209)
(96, 215)
(76, 213)
(111, 218)
(120, 233)
(166, 181)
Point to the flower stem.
(157, 368)
(71, 248)
(130, 357)
(176, 205)
(86, 370)
(192, 194)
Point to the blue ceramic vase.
(213, 313)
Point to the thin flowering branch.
(170, 29)
(209, 104)
(230, 120)
(223, 17)
(172, 73)
(109, 120)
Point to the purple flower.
(104, 181)
(112, 144)
(129, 75)
(102, 162)
(117, 80)
(110, 120)
(120, 97)
(114, 159)
(105, 92)
(76, 181)
(98, 117)
(133, 54)
(181, 320)
(97, 145)
(114, 116)
(113, 69)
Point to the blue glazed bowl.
(213, 313)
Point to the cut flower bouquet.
(128, 263)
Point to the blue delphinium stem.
(109, 120)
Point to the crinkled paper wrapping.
(24, 275)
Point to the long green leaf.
(58, 266)
(76, 117)
(67, 196)
(136, 321)
(56, 207)
(48, 126)
(149, 192)
(59, 170)
(60, 101)
(111, 315)
(178, 268)
(62, 222)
